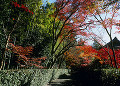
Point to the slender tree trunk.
(112, 47)
(4, 56)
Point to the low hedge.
(29, 77)
(111, 77)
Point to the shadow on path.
(86, 77)
(79, 77)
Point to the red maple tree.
(106, 55)
(23, 54)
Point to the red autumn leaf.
(23, 7)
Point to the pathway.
(64, 80)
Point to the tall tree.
(72, 15)
(107, 22)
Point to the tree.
(53, 29)
(107, 23)
(11, 14)
(34, 27)
(71, 16)
(82, 56)
(106, 54)
(93, 11)
(22, 58)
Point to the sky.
(50, 1)
(100, 32)
(103, 34)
